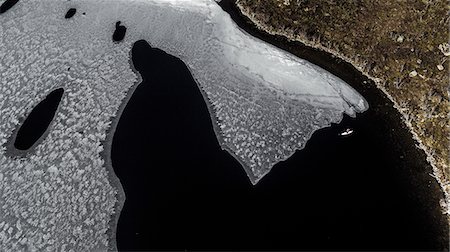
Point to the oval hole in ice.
(70, 13)
(38, 121)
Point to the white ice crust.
(265, 103)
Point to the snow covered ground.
(266, 104)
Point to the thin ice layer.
(266, 103)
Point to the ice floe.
(266, 103)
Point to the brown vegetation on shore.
(402, 45)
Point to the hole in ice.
(119, 33)
(37, 122)
(7, 5)
(71, 12)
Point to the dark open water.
(183, 192)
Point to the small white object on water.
(346, 132)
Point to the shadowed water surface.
(184, 192)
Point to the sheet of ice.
(266, 103)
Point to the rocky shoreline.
(438, 169)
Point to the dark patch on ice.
(38, 121)
(8, 4)
(119, 33)
(70, 13)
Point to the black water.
(37, 122)
(182, 191)
(70, 13)
(119, 32)
(7, 4)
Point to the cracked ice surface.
(266, 103)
